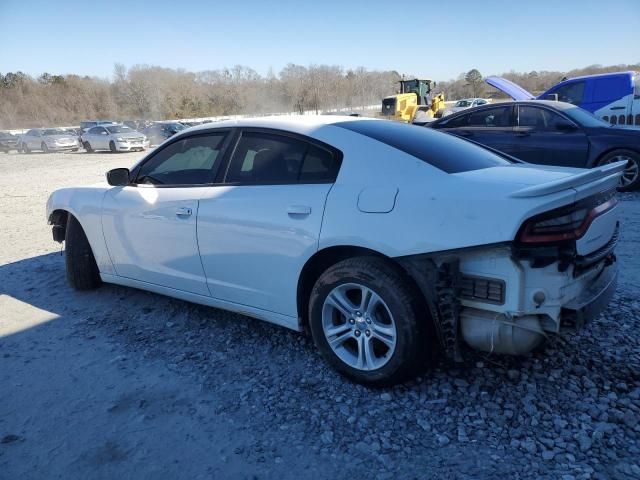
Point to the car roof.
(598, 75)
(303, 124)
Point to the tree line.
(151, 92)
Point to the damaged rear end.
(559, 272)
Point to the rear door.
(491, 126)
(540, 138)
(257, 229)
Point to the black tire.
(44, 147)
(112, 147)
(393, 287)
(631, 175)
(82, 270)
(87, 147)
(25, 149)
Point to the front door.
(257, 230)
(537, 139)
(150, 225)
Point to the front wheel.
(630, 179)
(82, 270)
(112, 147)
(365, 320)
(87, 147)
(25, 148)
(44, 147)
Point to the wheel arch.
(329, 256)
(609, 150)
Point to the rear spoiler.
(610, 170)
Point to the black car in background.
(8, 142)
(159, 132)
(548, 133)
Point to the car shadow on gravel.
(569, 408)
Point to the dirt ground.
(119, 383)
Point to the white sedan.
(117, 138)
(386, 241)
(464, 104)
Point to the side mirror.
(118, 177)
(565, 126)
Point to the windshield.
(585, 118)
(54, 131)
(445, 152)
(176, 126)
(463, 103)
(119, 129)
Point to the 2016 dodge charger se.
(386, 241)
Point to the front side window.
(189, 161)
(266, 158)
(490, 117)
(570, 93)
(94, 131)
(538, 118)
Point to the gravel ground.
(119, 383)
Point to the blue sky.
(436, 39)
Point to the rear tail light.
(566, 223)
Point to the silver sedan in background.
(48, 140)
(117, 138)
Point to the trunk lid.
(513, 90)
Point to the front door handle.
(184, 212)
(298, 210)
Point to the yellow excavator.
(415, 102)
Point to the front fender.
(85, 204)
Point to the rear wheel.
(630, 179)
(112, 147)
(82, 270)
(365, 320)
(25, 148)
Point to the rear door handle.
(184, 212)
(298, 210)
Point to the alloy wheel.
(359, 326)
(631, 171)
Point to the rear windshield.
(443, 151)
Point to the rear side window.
(490, 117)
(266, 158)
(445, 152)
(189, 161)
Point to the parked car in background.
(116, 138)
(386, 241)
(463, 105)
(48, 140)
(160, 131)
(612, 97)
(549, 133)
(8, 142)
(87, 124)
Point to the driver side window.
(189, 161)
